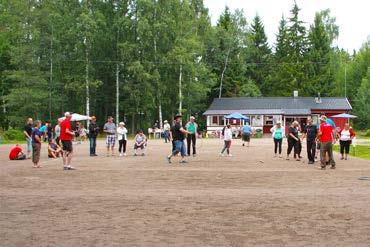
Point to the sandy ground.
(250, 199)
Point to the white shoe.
(120, 155)
(230, 155)
(222, 155)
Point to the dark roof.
(276, 105)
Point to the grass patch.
(360, 151)
(363, 134)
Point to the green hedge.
(367, 133)
(12, 135)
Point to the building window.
(257, 120)
(214, 120)
(269, 120)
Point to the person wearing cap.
(66, 136)
(93, 133)
(277, 134)
(110, 130)
(326, 147)
(122, 138)
(166, 131)
(178, 136)
(310, 133)
(192, 128)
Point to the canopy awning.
(236, 115)
(344, 115)
(78, 117)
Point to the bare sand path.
(250, 199)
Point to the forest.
(147, 60)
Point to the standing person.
(345, 136)
(49, 131)
(246, 134)
(36, 144)
(310, 133)
(66, 136)
(326, 146)
(228, 136)
(166, 133)
(28, 134)
(93, 133)
(110, 130)
(43, 131)
(192, 128)
(178, 135)
(293, 140)
(140, 142)
(277, 134)
(57, 132)
(299, 143)
(122, 139)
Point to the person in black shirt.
(293, 140)
(28, 134)
(310, 133)
(93, 133)
(178, 135)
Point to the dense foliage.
(146, 60)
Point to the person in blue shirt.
(246, 134)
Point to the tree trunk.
(223, 73)
(51, 71)
(133, 123)
(160, 115)
(87, 84)
(180, 90)
(117, 92)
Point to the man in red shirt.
(66, 135)
(16, 153)
(326, 139)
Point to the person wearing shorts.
(66, 136)
(246, 134)
(140, 143)
(110, 130)
(178, 136)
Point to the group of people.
(320, 137)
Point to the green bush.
(13, 135)
(367, 133)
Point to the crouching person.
(140, 143)
(54, 150)
(16, 153)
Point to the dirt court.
(250, 199)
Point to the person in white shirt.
(122, 138)
(228, 136)
(166, 133)
(345, 136)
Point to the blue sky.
(352, 17)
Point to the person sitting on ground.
(140, 142)
(16, 153)
(54, 150)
